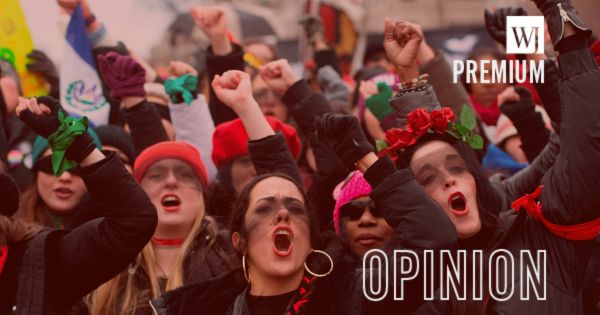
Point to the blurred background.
(162, 30)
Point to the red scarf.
(165, 242)
(305, 293)
(489, 114)
(3, 257)
(578, 232)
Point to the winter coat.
(406, 208)
(218, 65)
(209, 257)
(528, 179)
(450, 94)
(193, 124)
(146, 126)
(304, 105)
(571, 196)
(52, 271)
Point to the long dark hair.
(489, 203)
(237, 223)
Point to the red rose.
(419, 122)
(441, 118)
(399, 139)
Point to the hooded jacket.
(571, 196)
(51, 272)
(403, 203)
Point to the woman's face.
(486, 93)
(363, 227)
(61, 194)
(444, 175)
(176, 192)
(278, 233)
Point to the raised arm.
(571, 192)
(82, 259)
(221, 55)
(125, 79)
(268, 150)
(189, 112)
(419, 223)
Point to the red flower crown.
(420, 122)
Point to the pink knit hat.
(354, 186)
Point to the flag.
(15, 44)
(80, 87)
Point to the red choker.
(3, 256)
(169, 242)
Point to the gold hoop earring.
(246, 274)
(323, 274)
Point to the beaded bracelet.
(417, 84)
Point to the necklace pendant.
(164, 277)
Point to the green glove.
(182, 87)
(379, 104)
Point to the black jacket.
(145, 125)
(304, 105)
(571, 196)
(418, 223)
(218, 65)
(79, 260)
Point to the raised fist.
(40, 115)
(211, 20)
(179, 68)
(401, 42)
(234, 88)
(278, 75)
(123, 75)
(495, 22)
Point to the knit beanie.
(9, 194)
(180, 150)
(40, 145)
(353, 187)
(117, 137)
(230, 140)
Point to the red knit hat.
(170, 150)
(230, 140)
(595, 47)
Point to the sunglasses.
(355, 209)
(45, 165)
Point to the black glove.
(342, 133)
(528, 122)
(555, 12)
(515, 110)
(495, 22)
(45, 125)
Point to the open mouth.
(170, 202)
(458, 203)
(282, 241)
(63, 192)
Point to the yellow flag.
(16, 43)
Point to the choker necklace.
(167, 242)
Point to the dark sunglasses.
(354, 209)
(45, 165)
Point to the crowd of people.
(244, 188)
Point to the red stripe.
(3, 257)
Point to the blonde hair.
(124, 293)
